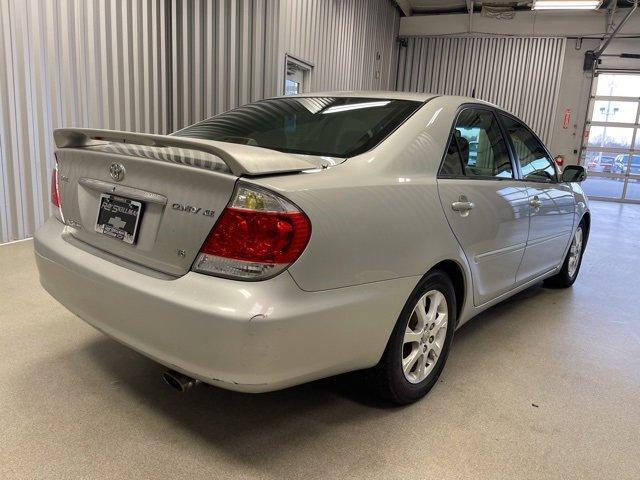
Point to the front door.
(551, 202)
(486, 207)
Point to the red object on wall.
(567, 118)
(559, 160)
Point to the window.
(331, 126)
(452, 165)
(296, 74)
(612, 137)
(479, 144)
(534, 160)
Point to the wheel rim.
(574, 252)
(424, 336)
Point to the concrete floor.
(546, 385)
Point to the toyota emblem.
(116, 170)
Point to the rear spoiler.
(241, 159)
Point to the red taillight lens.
(257, 236)
(55, 188)
(264, 237)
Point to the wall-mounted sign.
(567, 118)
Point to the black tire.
(564, 279)
(388, 376)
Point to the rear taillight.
(55, 188)
(55, 194)
(258, 235)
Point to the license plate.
(119, 218)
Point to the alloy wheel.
(425, 336)
(575, 251)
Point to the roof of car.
(388, 95)
(420, 97)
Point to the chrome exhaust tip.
(178, 381)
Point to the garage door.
(611, 149)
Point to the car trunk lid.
(166, 191)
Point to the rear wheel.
(571, 266)
(420, 342)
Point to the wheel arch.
(455, 272)
(587, 223)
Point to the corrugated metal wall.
(341, 39)
(224, 55)
(96, 63)
(521, 75)
(158, 65)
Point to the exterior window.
(482, 147)
(534, 160)
(452, 165)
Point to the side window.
(534, 161)
(452, 164)
(482, 147)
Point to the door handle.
(535, 203)
(462, 206)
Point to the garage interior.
(544, 385)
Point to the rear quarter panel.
(377, 216)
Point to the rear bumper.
(244, 336)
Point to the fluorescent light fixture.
(355, 106)
(566, 4)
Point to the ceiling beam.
(405, 6)
(525, 23)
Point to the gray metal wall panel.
(70, 63)
(519, 74)
(158, 65)
(222, 55)
(341, 39)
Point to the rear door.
(551, 201)
(486, 207)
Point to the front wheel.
(420, 342)
(571, 266)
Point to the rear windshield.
(329, 126)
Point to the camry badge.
(116, 170)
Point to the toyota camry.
(300, 237)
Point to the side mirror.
(574, 173)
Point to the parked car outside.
(300, 237)
(621, 162)
(602, 163)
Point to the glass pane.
(452, 165)
(534, 160)
(603, 187)
(600, 161)
(482, 146)
(637, 147)
(615, 85)
(331, 126)
(633, 189)
(621, 164)
(609, 111)
(612, 137)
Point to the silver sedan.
(300, 237)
